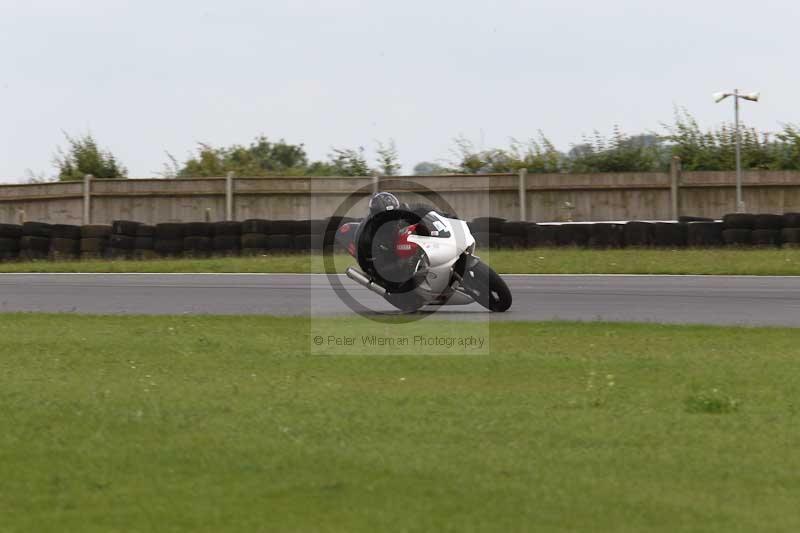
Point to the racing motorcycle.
(418, 258)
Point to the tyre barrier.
(669, 234)
(573, 235)
(767, 237)
(769, 222)
(94, 241)
(126, 239)
(791, 237)
(737, 237)
(122, 241)
(541, 236)
(198, 239)
(739, 221)
(638, 234)
(704, 234)
(687, 219)
(606, 235)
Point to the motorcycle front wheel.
(486, 287)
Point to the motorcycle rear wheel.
(487, 287)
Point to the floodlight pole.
(753, 97)
(739, 200)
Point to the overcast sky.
(147, 77)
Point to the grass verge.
(763, 262)
(230, 424)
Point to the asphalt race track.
(668, 299)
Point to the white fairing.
(442, 253)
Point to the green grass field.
(231, 424)
(759, 262)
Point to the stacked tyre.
(168, 239)
(704, 234)
(313, 237)
(197, 239)
(10, 235)
(94, 241)
(514, 235)
(767, 230)
(122, 241)
(543, 235)
(280, 236)
(35, 242)
(738, 229)
(638, 234)
(670, 234)
(227, 239)
(488, 231)
(254, 236)
(686, 219)
(144, 245)
(573, 234)
(606, 235)
(65, 242)
(790, 234)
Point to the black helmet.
(383, 201)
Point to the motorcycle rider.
(390, 265)
(383, 201)
(386, 201)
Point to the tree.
(619, 153)
(716, 149)
(538, 155)
(388, 159)
(261, 158)
(172, 168)
(426, 168)
(84, 156)
(349, 162)
(788, 154)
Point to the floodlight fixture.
(718, 97)
(752, 96)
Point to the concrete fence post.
(229, 196)
(674, 186)
(87, 199)
(376, 184)
(523, 194)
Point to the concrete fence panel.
(534, 197)
(155, 200)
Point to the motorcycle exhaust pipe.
(360, 278)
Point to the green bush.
(619, 153)
(84, 156)
(716, 149)
(261, 158)
(538, 155)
